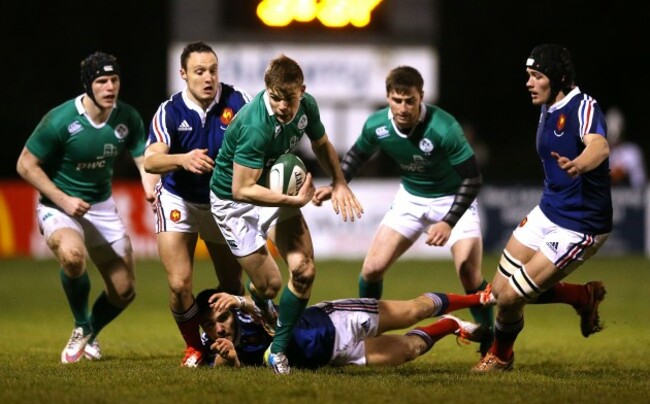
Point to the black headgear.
(96, 65)
(554, 61)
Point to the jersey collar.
(79, 105)
(195, 107)
(423, 114)
(565, 100)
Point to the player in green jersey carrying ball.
(247, 212)
(69, 159)
(440, 180)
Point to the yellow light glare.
(305, 10)
(331, 13)
(275, 13)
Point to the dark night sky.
(483, 47)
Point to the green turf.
(142, 348)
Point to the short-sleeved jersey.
(184, 126)
(584, 203)
(426, 156)
(78, 155)
(256, 139)
(311, 344)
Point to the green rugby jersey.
(255, 139)
(77, 155)
(426, 157)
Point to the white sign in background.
(348, 81)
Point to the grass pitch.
(143, 348)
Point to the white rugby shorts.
(354, 321)
(412, 215)
(245, 226)
(567, 249)
(101, 225)
(175, 214)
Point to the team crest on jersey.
(302, 122)
(426, 146)
(74, 128)
(175, 215)
(559, 127)
(382, 132)
(226, 116)
(121, 131)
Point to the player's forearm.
(467, 191)
(593, 155)
(329, 161)
(466, 194)
(162, 163)
(353, 160)
(34, 175)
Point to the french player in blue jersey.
(336, 333)
(184, 138)
(574, 216)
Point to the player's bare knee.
(269, 289)
(302, 276)
(73, 260)
(126, 297)
(180, 287)
(373, 272)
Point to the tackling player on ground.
(339, 332)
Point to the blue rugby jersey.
(183, 126)
(582, 204)
(311, 345)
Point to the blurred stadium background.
(470, 52)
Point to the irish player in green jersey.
(440, 180)
(69, 159)
(248, 213)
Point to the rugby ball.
(287, 174)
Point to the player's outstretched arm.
(344, 201)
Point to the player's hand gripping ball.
(287, 174)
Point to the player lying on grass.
(337, 333)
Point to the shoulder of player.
(309, 102)
(233, 97)
(61, 116)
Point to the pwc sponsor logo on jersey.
(418, 165)
(559, 127)
(184, 127)
(91, 165)
(382, 132)
(110, 150)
